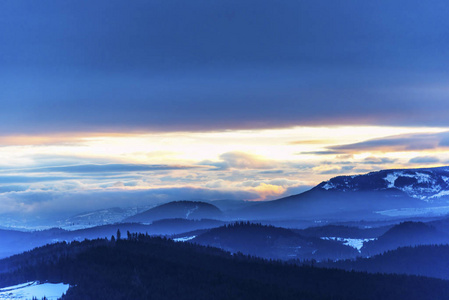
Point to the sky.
(131, 103)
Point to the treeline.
(142, 267)
(424, 260)
(273, 242)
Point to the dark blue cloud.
(109, 168)
(141, 35)
(424, 160)
(13, 188)
(339, 170)
(85, 172)
(203, 65)
(326, 152)
(378, 160)
(272, 172)
(404, 142)
(8, 179)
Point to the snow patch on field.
(184, 239)
(28, 290)
(354, 243)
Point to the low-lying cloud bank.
(60, 204)
(396, 143)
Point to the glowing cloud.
(269, 191)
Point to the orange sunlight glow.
(302, 152)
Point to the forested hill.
(423, 260)
(142, 267)
(272, 242)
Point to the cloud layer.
(189, 73)
(111, 66)
(398, 143)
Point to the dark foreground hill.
(425, 260)
(155, 268)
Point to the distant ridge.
(405, 234)
(178, 209)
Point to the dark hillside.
(272, 242)
(425, 260)
(155, 268)
(405, 234)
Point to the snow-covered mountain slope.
(404, 193)
(428, 184)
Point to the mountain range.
(377, 195)
(392, 221)
(377, 199)
(383, 195)
(429, 184)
